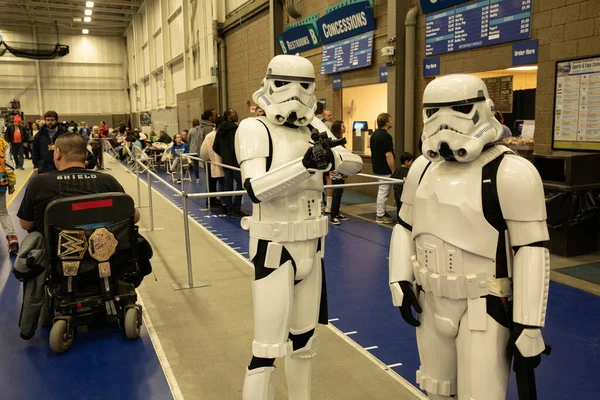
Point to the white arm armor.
(252, 151)
(346, 162)
(521, 196)
(402, 246)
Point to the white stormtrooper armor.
(472, 221)
(287, 228)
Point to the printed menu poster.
(577, 105)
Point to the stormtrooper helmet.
(458, 117)
(287, 93)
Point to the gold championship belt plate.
(102, 245)
(71, 246)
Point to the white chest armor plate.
(452, 236)
(290, 144)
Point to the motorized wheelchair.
(92, 243)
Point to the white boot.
(258, 384)
(298, 370)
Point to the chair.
(143, 158)
(92, 243)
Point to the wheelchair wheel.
(47, 313)
(132, 323)
(60, 337)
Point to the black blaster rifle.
(322, 148)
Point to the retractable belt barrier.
(208, 195)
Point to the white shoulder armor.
(412, 180)
(521, 196)
(520, 190)
(251, 140)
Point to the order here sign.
(346, 22)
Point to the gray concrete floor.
(206, 332)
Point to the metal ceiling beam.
(70, 16)
(78, 8)
(68, 24)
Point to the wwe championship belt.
(102, 245)
(71, 246)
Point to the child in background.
(400, 173)
(7, 183)
(177, 150)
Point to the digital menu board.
(355, 52)
(577, 105)
(476, 24)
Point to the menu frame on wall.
(478, 23)
(573, 93)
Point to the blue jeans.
(230, 176)
(17, 153)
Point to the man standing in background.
(224, 146)
(384, 163)
(16, 135)
(43, 143)
(328, 118)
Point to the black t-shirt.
(49, 186)
(381, 143)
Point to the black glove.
(320, 155)
(512, 351)
(409, 300)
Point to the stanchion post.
(137, 173)
(188, 251)
(150, 200)
(206, 174)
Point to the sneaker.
(13, 245)
(334, 221)
(327, 210)
(178, 181)
(342, 217)
(385, 219)
(237, 214)
(197, 180)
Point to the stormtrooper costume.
(472, 221)
(287, 228)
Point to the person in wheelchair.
(112, 258)
(71, 179)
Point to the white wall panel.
(173, 4)
(178, 74)
(147, 95)
(146, 51)
(156, 15)
(158, 50)
(176, 34)
(89, 80)
(145, 25)
(160, 90)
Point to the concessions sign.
(344, 22)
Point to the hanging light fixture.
(87, 19)
(88, 12)
(89, 4)
(85, 31)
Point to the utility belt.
(293, 231)
(471, 286)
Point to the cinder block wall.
(247, 60)
(565, 29)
